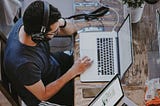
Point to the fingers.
(86, 60)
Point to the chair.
(5, 86)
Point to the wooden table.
(144, 33)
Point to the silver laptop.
(112, 95)
(111, 52)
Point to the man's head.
(34, 15)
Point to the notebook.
(112, 95)
(111, 52)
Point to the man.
(37, 74)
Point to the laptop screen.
(110, 95)
(125, 45)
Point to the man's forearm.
(54, 87)
(69, 29)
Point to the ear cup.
(38, 37)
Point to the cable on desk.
(116, 24)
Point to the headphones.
(92, 15)
(39, 37)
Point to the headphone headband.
(45, 17)
(38, 37)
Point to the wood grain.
(144, 41)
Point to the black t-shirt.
(26, 65)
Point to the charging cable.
(116, 24)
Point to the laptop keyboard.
(105, 56)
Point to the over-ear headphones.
(38, 37)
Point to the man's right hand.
(81, 65)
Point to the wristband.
(65, 23)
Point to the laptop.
(111, 52)
(112, 95)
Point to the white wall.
(65, 6)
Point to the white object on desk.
(112, 49)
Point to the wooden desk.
(144, 33)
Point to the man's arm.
(68, 27)
(45, 92)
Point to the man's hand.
(81, 65)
